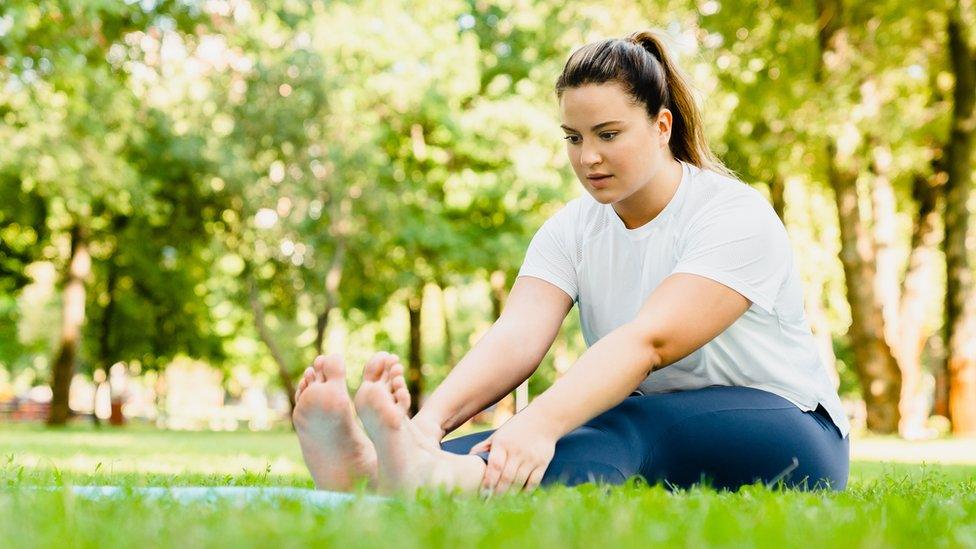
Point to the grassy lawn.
(887, 504)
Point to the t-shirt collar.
(661, 218)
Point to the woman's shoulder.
(712, 193)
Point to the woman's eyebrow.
(594, 128)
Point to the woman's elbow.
(651, 347)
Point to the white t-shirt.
(716, 227)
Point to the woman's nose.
(589, 156)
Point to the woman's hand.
(519, 454)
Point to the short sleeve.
(740, 242)
(550, 255)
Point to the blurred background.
(198, 196)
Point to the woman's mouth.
(599, 181)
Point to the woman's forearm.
(502, 359)
(602, 377)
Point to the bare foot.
(407, 458)
(336, 450)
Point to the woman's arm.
(502, 359)
(682, 314)
(685, 312)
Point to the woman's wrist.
(543, 420)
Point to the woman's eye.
(574, 139)
(607, 136)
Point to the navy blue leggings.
(721, 436)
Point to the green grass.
(885, 505)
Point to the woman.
(700, 366)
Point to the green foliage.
(85, 150)
(388, 146)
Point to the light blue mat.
(221, 494)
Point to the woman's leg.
(605, 449)
(731, 436)
(728, 436)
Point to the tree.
(72, 117)
(960, 305)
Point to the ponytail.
(642, 65)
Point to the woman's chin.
(603, 196)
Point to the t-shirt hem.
(843, 426)
(837, 416)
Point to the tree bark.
(877, 370)
(917, 294)
(821, 331)
(284, 375)
(940, 403)
(904, 312)
(105, 336)
(332, 280)
(497, 282)
(883, 211)
(874, 362)
(814, 307)
(333, 276)
(449, 358)
(72, 319)
(415, 360)
(511, 403)
(960, 305)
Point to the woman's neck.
(644, 205)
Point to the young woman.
(700, 366)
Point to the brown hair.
(641, 64)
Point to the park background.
(197, 197)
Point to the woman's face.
(614, 147)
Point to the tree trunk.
(960, 307)
(284, 375)
(874, 362)
(104, 337)
(72, 319)
(98, 385)
(814, 307)
(449, 358)
(415, 360)
(511, 403)
(497, 282)
(333, 276)
(916, 296)
(821, 332)
(883, 211)
(940, 403)
(904, 313)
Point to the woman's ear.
(663, 125)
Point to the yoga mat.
(221, 494)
